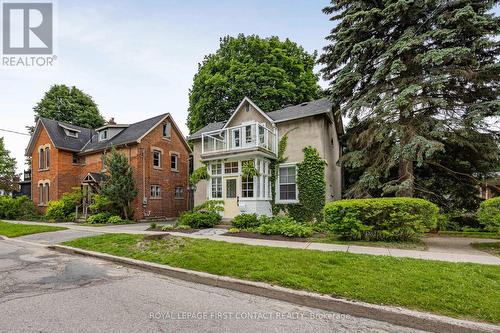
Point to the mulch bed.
(246, 234)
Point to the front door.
(231, 208)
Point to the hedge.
(198, 220)
(20, 208)
(389, 219)
(489, 214)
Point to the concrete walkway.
(451, 249)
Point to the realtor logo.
(27, 28)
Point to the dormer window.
(73, 134)
(103, 135)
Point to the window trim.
(277, 185)
(181, 197)
(103, 135)
(219, 182)
(176, 169)
(248, 181)
(156, 151)
(232, 167)
(156, 194)
(169, 126)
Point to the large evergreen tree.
(70, 105)
(8, 176)
(271, 72)
(419, 79)
(119, 187)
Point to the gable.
(247, 111)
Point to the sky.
(137, 59)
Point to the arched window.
(47, 158)
(41, 159)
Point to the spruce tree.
(119, 187)
(419, 80)
(8, 176)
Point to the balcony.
(241, 138)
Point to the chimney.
(112, 121)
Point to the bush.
(20, 208)
(99, 218)
(115, 219)
(245, 221)
(198, 220)
(210, 206)
(182, 226)
(284, 226)
(233, 230)
(167, 227)
(64, 208)
(55, 211)
(458, 221)
(489, 214)
(389, 219)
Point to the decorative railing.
(240, 137)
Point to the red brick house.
(66, 156)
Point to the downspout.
(143, 155)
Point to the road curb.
(396, 316)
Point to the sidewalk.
(433, 253)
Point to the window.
(47, 158)
(41, 160)
(103, 135)
(166, 130)
(216, 187)
(156, 159)
(179, 192)
(173, 162)
(262, 138)
(216, 169)
(43, 194)
(71, 133)
(231, 167)
(231, 188)
(155, 191)
(47, 193)
(40, 194)
(247, 187)
(75, 158)
(236, 137)
(248, 133)
(287, 184)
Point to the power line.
(9, 131)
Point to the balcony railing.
(241, 137)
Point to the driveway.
(456, 245)
(45, 291)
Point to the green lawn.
(493, 248)
(16, 230)
(468, 291)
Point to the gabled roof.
(303, 110)
(55, 130)
(249, 101)
(131, 134)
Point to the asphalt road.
(44, 291)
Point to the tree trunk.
(406, 173)
(125, 213)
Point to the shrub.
(20, 208)
(233, 230)
(245, 221)
(198, 220)
(167, 227)
(285, 227)
(100, 203)
(489, 214)
(115, 219)
(390, 219)
(210, 206)
(99, 218)
(182, 226)
(153, 225)
(55, 211)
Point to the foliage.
(8, 176)
(248, 170)
(446, 288)
(20, 208)
(244, 221)
(199, 174)
(99, 218)
(115, 219)
(211, 206)
(182, 226)
(69, 105)
(64, 208)
(153, 225)
(274, 167)
(16, 230)
(489, 214)
(283, 225)
(458, 220)
(100, 203)
(167, 227)
(390, 219)
(271, 72)
(199, 220)
(311, 185)
(233, 230)
(419, 81)
(119, 186)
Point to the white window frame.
(218, 182)
(155, 151)
(103, 135)
(167, 134)
(181, 192)
(232, 166)
(233, 137)
(277, 186)
(155, 192)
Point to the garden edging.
(393, 315)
